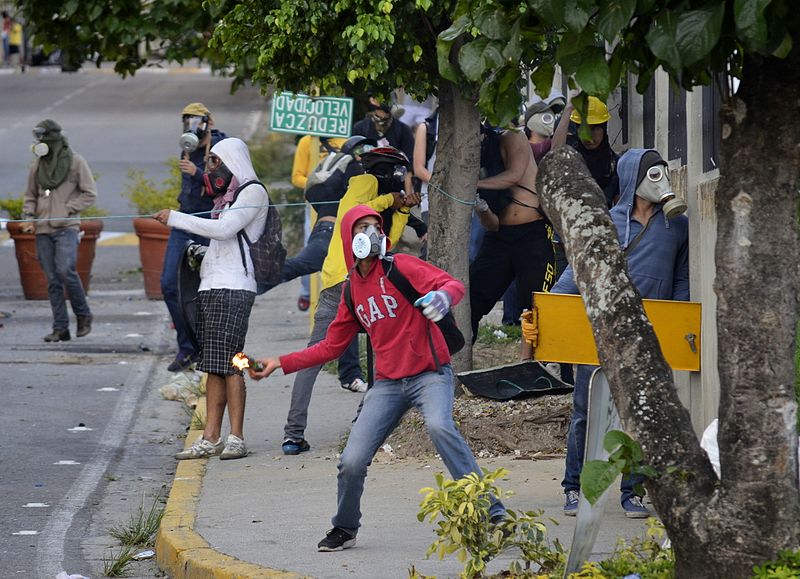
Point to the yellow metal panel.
(565, 335)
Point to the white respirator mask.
(369, 243)
(542, 124)
(40, 149)
(656, 188)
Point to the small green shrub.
(272, 156)
(142, 525)
(12, 207)
(786, 566)
(116, 564)
(146, 197)
(463, 527)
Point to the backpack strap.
(241, 234)
(348, 301)
(411, 294)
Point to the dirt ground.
(530, 428)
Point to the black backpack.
(266, 252)
(452, 335)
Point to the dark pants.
(176, 244)
(58, 256)
(515, 252)
(576, 438)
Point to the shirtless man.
(518, 241)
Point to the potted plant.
(34, 282)
(147, 198)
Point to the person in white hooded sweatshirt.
(226, 292)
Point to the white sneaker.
(201, 448)
(357, 385)
(234, 448)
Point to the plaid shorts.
(222, 319)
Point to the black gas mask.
(392, 179)
(217, 177)
(195, 129)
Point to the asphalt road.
(85, 436)
(116, 124)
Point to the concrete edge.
(182, 552)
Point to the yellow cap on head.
(196, 109)
(598, 113)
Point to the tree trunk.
(711, 525)
(456, 173)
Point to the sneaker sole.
(570, 513)
(295, 452)
(637, 515)
(342, 547)
(232, 456)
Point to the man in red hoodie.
(412, 363)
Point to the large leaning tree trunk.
(710, 528)
(456, 172)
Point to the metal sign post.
(318, 116)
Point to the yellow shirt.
(301, 167)
(15, 35)
(361, 190)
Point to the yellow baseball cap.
(196, 109)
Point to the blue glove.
(434, 305)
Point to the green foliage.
(645, 558)
(116, 564)
(12, 207)
(786, 566)
(146, 197)
(461, 511)
(94, 211)
(625, 458)
(98, 30)
(272, 156)
(486, 334)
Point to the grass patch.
(142, 525)
(492, 334)
(198, 420)
(332, 367)
(116, 564)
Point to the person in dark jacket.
(655, 237)
(197, 120)
(380, 126)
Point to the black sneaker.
(84, 325)
(290, 446)
(180, 364)
(57, 336)
(336, 540)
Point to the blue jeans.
(169, 285)
(58, 256)
(476, 233)
(576, 438)
(349, 368)
(384, 405)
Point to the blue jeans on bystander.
(58, 256)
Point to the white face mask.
(656, 188)
(542, 123)
(368, 243)
(40, 149)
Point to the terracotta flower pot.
(153, 238)
(34, 282)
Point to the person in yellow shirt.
(15, 44)
(301, 169)
(385, 186)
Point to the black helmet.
(386, 156)
(352, 145)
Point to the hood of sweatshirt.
(236, 156)
(346, 231)
(628, 171)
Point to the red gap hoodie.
(398, 331)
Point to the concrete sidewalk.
(264, 514)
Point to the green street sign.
(318, 116)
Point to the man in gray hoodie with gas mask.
(654, 235)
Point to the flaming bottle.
(242, 361)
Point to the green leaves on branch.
(625, 457)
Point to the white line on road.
(50, 550)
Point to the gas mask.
(655, 187)
(194, 129)
(217, 177)
(381, 124)
(39, 148)
(369, 243)
(392, 182)
(542, 123)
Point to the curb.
(55, 69)
(182, 552)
